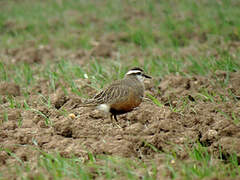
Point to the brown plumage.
(121, 96)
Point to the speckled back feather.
(118, 91)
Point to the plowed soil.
(186, 116)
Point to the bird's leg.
(116, 121)
(115, 117)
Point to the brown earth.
(194, 109)
(186, 117)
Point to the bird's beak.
(146, 76)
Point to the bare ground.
(74, 130)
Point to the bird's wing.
(114, 93)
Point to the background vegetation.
(62, 41)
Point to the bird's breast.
(132, 101)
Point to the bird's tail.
(88, 103)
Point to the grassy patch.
(201, 164)
(183, 38)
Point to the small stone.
(72, 116)
(212, 133)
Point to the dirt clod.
(11, 89)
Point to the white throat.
(140, 78)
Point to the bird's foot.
(117, 125)
(115, 121)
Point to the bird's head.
(138, 73)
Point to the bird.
(121, 96)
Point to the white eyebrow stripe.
(133, 72)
